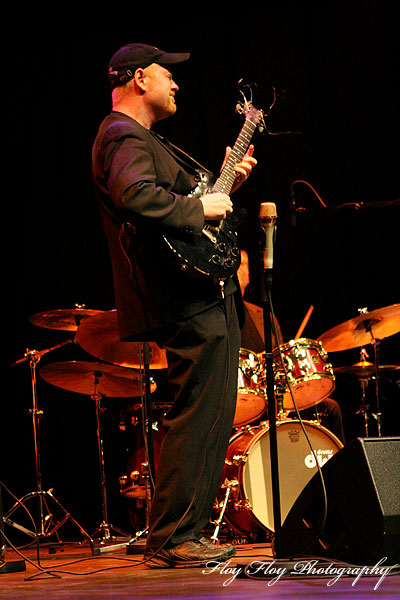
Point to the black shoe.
(192, 553)
(228, 548)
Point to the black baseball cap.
(127, 59)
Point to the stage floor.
(72, 570)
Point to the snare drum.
(251, 401)
(247, 471)
(311, 376)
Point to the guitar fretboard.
(227, 176)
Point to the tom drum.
(251, 402)
(311, 376)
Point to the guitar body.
(199, 255)
(215, 252)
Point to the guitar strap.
(179, 154)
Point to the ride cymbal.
(363, 330)
(93, 377)
(99, 337)
(66, 319)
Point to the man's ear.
(139, 78)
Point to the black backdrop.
(337, 67)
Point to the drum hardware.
(46, 526)
(367, 328)
(228, 486)
(145, 354)
(97, 380)
(364, 407)
(237, 460)
(136, 485)
(130, 487)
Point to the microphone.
(268, 218)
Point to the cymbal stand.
(376, 344)
(367, 324)
(105, 527)
(363, 410)
(46, 527)
(147, 424)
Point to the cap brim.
(172, 58)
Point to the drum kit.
(303, 377)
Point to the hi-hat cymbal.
(365, 369)
(93, 377)
(66, 319)
(99, 337)
(362, 330)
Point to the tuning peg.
(239, 108)
(261, 124)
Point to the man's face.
(160, 91)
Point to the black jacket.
(142, 184)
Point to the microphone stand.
(266, 286)
(268, 219)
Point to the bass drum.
(247, 471)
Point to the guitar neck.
(226, 179)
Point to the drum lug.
(322, 351)
(229, 483)
(236, 461)
(239, 459)
(243, 505)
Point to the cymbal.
(67, 319)
(99, 337)
(81, 377)
(356, 332)
(364, 369)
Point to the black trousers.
(202, 354)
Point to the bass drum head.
(296, 466)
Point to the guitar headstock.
(247, 108)
(251, 113)
(258, 116)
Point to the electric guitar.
(216, 253)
